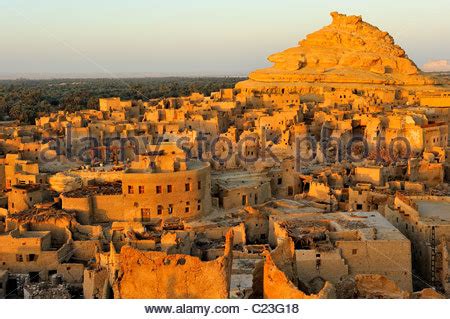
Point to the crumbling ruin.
(323, 176)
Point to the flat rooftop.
(33, 234)
(284, 207)
(190, 165)
(364, 222)
(434, 209)
(239, 179)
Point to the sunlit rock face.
(348, 50)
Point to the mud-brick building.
(159, 185)
(183, 191)
(335, 245)
(16, 171)
(240, 188)
(33, 253)
(425, 220)
(22, 197)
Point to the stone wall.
(242, 196)
(71, 272)
(85, 250)
(82, 206)
(278, 272)
(159, 275)
(98, 208)
(106, 208)
(95, 282)
(332, 266)
(391, 258)
(32, 253)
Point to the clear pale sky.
(194, 37)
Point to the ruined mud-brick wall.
(391, 258)
(283, 258)
(85, 250)
(158, 275)
(431, 174)
(254, 194)
(444, 249)
(22, 253)
(95, 208)
(377, 286)
(95, 283)
(104, 177)
(71, 272)
(277, 285)
(405, 216)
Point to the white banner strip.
(217, 309)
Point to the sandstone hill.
(348, 50)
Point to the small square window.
(158, 189)
(130, 189)
(354, 251)
(170, 209)
(32, 257)
(187, 187)
(146, 213)
(159, 210)
(186, 209)
(169, 188)
(141, 189)
(199, 184)
(19, 258)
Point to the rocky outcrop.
(348, 50)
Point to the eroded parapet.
(279, 276)
(156, 274)
(371, 286)
(377, 286)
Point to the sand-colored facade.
(323, 176)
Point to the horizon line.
(5, 76)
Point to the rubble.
(45, 290)
(38, 215)
(96, 189)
